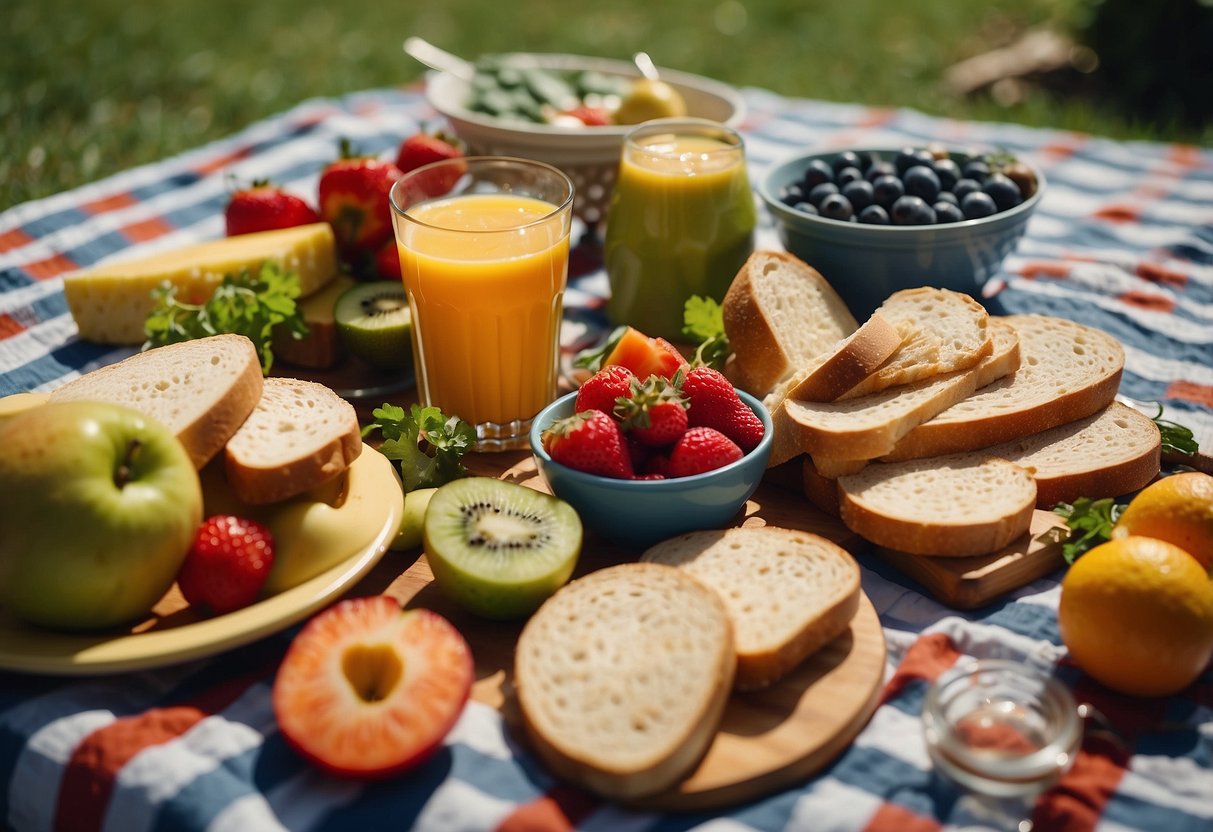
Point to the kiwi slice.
(499, 549)
(375, 324)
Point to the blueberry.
(905, 159)
(792, 194)
(948, 172)
(845, 175)
(806, 208)
(846, 159)
(874, 215)
(911, 210)
(977, 205)
(965, 187)
(947, 212)
(821, 191)
(880, 168)
(887, 189)
(922, 182)
(817, 172)
(949, 197)
(975, 169)
(860, 193)
(1003, 191)
(836, 207)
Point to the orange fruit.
(1177, 509)
(1137, 614)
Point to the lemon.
(1177, 509)
(1136, 614)
(649, 99)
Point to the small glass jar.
(1001, 728)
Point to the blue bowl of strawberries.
(642, 460)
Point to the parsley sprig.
(243, 304)
(427, 444)
(1088, 524)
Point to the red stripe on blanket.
(1190, 391)
(149, 229)
(1043, 268)
(560, 810)
(893, 818)
(90, 773)
(109, 203)
(14, 238)
(927, 657)
(1077, 802)
(1151, 303)
(52, 266)
(220, 162)
(1118, 213)
(1160, 274)
(10, 326)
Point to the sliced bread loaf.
(848, 363)
(1068, 371)
(779, 314)
(869, 427)
(949, 506)
(788, 593)
(203, 390)
(299, 435)
(943, 331)
(622, 677)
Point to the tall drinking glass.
(681, 221)
(484, 247)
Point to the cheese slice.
(110, 302)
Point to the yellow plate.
(180, 635)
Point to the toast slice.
(952, 506)
(852, 360)
(944, 331)
(779, 314)
(788, 593)
(869, 427)
(299, 435)
(203, 390)
(622, 677)
(1068, 371)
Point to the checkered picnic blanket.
(1123, 241)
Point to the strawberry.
(227, 564)
(264, 207)
(354, 200)
(590, 116)
(423, 148)
(715, 404)
(600, 390)
(702, 449)
(387, 261)
(654, 413)
(589, 441)
(368, 691)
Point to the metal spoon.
(439, 59)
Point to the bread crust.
(855, 358)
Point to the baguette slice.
(950, 506)
(779, 314)
(788, 593)
(850, 361)
(1111, 453)
(203, 390)
(300, 435)
(622, 677)
(869, 427)
(1068, 371)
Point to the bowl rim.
(563, 60)
(778, 173)
(544, 418)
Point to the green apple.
(412, 524)
(101, 504)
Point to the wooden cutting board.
(767, 740)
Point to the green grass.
(96, 87)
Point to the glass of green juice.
(680, 223)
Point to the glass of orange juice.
(484, 251)
(680, 223)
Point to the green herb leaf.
(1089, 524)
(241, 304)
(591, 358)
(427, 444)
(703, 323)
(1175, 437)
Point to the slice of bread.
(788, 593)
(203, 390)
(851, 361)
(1109, 454)
(779, 314)
(622, 677)
(869, 427)
(1068, 371)
(950, 506)
(299, 435)
(944, 331)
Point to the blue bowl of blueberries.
(874, 221)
